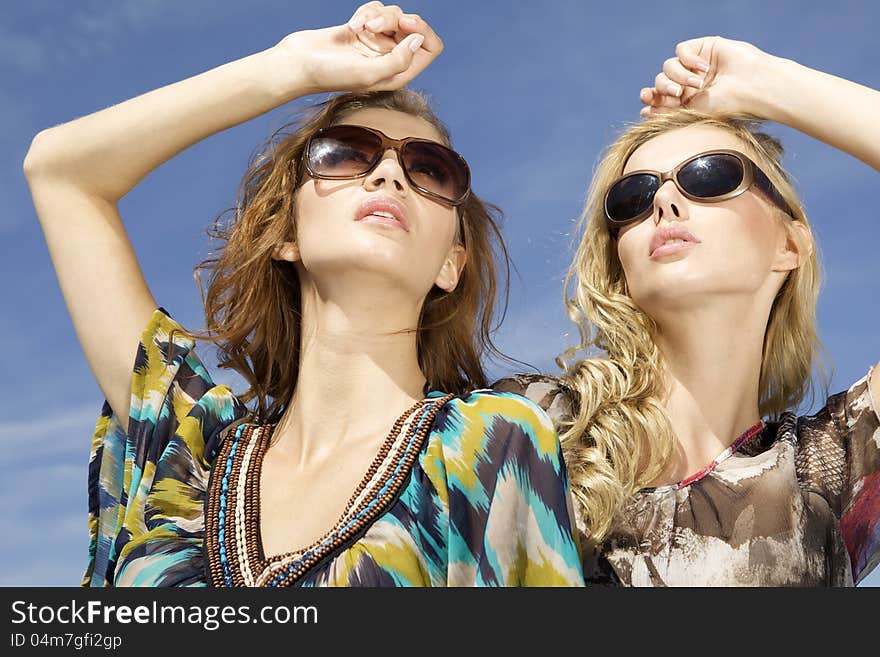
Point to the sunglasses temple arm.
(770, 190)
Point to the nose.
(669, 203)
(387, 173)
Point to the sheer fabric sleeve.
(151, 480)
(839, 456)
(547, 392)
(860, 522)
(499, 470)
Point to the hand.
(380, 48)
(710, 74)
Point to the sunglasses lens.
(343, 151)
(631, 196)
(437, 169)
(711, 175)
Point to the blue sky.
(531, 93)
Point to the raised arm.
(714, 74)
(78, 171)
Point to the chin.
(691, 292)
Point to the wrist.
(284, 73)
(770, 88)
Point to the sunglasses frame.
(397, 145)
(752, 174)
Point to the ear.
(286, 251)
(452, 267)
(795, 246)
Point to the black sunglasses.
(342, 152)
(713, 176)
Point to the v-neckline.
(254, 521)
(233, 534)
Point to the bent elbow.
(37, 158)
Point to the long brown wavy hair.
(619, 438)
(253, 305)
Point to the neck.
(358, 371)
(712, 357)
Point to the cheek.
(632, 246)
(440, 228)
(316, 232)
(756, 230)
(751, 234)
(304, 209)
(316, 210)
(302, 199)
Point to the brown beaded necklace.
(232, 513)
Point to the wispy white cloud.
(16, 119)
(96, 28)
(24, 53)
(45, 509)
(62, 435)
(93, 29)
(50, 569)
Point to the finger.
(665, 86)
(385, 20)
(653, 98)
(648, 112)
(362, 14)
(668, 102)
(380, 23)
(392, 21)
(376, 25)
(690, 52)
(676, 72)
(382, 31)
(397, 65)
(377, 42)
(411, 23)
(648, 95)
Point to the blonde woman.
(697, 275)
(354, 293)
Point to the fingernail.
(416, 42)
(408, 21)
(694, 81)
(702, 65)
(673, 89)
(375, 23)
(355, 24)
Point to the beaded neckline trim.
(232, 513)
(732, 449)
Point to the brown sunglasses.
(341, 152)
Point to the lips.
(658, 244)
(383, 210)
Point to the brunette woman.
(354, 293)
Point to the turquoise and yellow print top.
(481, 499)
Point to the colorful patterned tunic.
(793, 502)
(468, 490)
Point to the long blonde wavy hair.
(253, 305)
(619, 438)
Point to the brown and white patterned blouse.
(796, 503)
